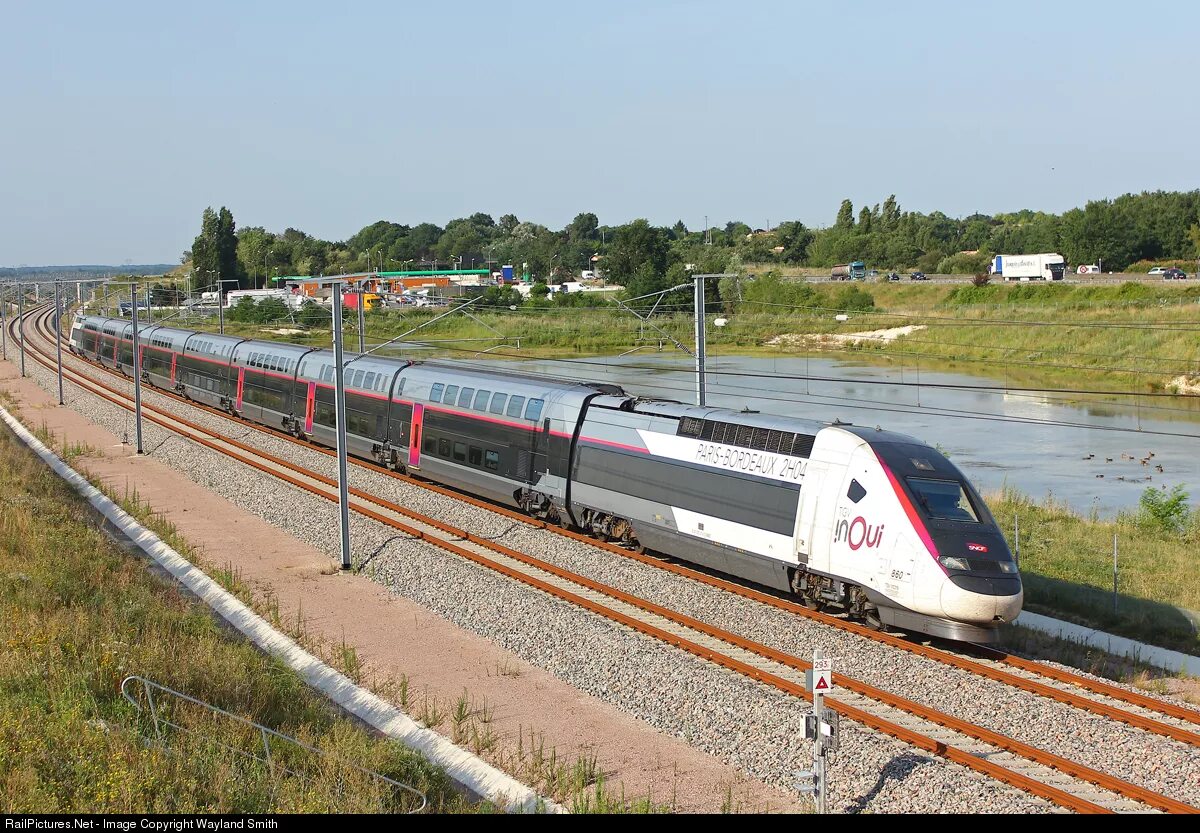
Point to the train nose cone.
(982, 600)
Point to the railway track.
(1057, 779)
(993, 664)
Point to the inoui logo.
(858, 533)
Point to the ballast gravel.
(740, 722)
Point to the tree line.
(1120, 233)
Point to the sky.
(122, 121)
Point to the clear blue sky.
(123, 120)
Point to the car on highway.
(893, 276)
(918, 276)
(1174, 274)
(1157, 270)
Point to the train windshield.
(944, 499)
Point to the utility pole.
(4, 328)
(362, 318)
(149, 305)
(700, 339)
(700, 350)
(220, 302)
(137, 371)
(21, 324)
(340, 418)
(58, 340)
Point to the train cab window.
(475, 456)
(514, 406)
(460, 452)
(533, 410)
(944, 499)
(491, 460)
(451, 395)
(481, 400)
(464, 397)
(856, 492)
(435, 393)
(498, 402)
(444, 448)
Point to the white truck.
(1041, 267)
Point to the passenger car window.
(533, 410)
(475, 456)
(515, 405)
(481, 400)
(460, 452)
(444, 448)
(451, 393)
(498, 402)
(435, 393)
(491, 460)
(464, 397)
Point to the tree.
(637, 257)
(214, 251)
(864, 220)
(583, 227)
(845, 216)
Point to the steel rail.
(1024, 782)
(940, 655)
(937, 654)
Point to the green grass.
(1067, 565)
(80, 615)
(180, 645)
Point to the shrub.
(1163, 510)
(981, 279)
(853, 299)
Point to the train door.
(414, 436)
(808, 551)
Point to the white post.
(340, 418)
(699, 299)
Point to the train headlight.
(952, 563)
(1007, 567)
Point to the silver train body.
(870, 521)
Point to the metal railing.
(273, 762)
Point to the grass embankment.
(1067, 565)
(79, 615)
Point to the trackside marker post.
(821, 727)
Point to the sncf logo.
(976, 547)
(858, 533)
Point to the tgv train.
(874, 522)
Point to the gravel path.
(715, 710)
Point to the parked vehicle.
(1047, 266)
(1174, 274)
(918, 276)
